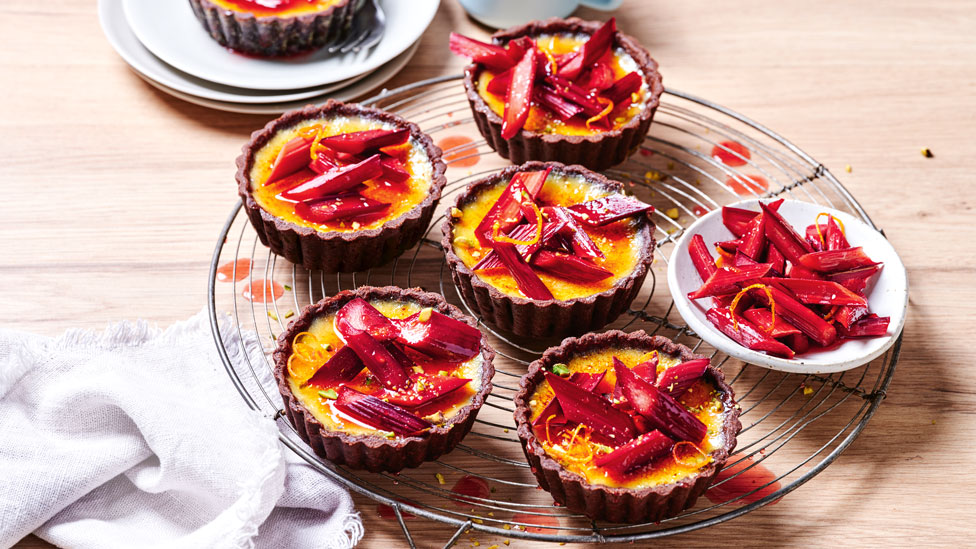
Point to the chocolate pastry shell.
(611, 503)
(334, 251)
(598, 151)
(374, 452)
(553, 318)
(274, 36)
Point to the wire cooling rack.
(793, 425)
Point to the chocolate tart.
(273, 32)
(346, 440)
(597, 151)
(574, 308)
(336, 246)
(653, 491)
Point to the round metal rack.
(793, 425)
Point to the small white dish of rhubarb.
(789, 285)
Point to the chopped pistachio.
(670, 165)
(532, 402)
(272, 315)
(848, 168)
(418, 369)
(672, 213)
(506, 542)
(456, 212)
(807, 391)
(927, 153)
(560, 369)
(504, 430)
(390, 434)
(425, 313)
(652, 175)
(507, 526)
(287, 287)
(465, 241)
(289, 314)
(330, 394)
(440, 478)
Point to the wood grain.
(115, 193)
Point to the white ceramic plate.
(374, 80)
(125, 43)
(889, 297)
(171, 32)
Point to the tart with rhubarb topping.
(383, 378)
(568, 90)
(625, 427)
(276, 27)
(544, 249)
(340, 187)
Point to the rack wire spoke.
(794, 425)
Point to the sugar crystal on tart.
(545, 249)
(276, 27)
(568, 90)
(383, 378)
(625, 427)
(340, 187)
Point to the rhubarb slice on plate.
(821, 287)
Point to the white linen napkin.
(135, 437)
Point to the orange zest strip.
(744, 291)
(607, 109)
(689, 449)
(816, 223)
(831, 313)
(291, 372)
(575, 432)
(317, 145)
(548, 419)
(538, 230)
(552, 62)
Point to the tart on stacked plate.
(340, 187)
(383, 378)
(544, 249)
(625, 427)
(568, 90)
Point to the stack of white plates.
(165, 44)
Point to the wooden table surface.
(116, 192)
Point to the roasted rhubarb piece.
(678, 378)
(727, 281)
(424, 389)
(701, 258)
(360, 315)
(376, 357)
(833, 261)
(552, 413)
(856, 280)
(869, 326)
(817, 292)
(746, 333)
(344, 206)
(439, 336)
(506, 211)
(519, 97)
(569, 267)
(774, 327)
(782, 235)
(608, 209)
(665, 413)
(798, 315)
(335, 181)
(636, 453)
(490, 55)
(292, 157)
(592, 410)
(379, 414)
(343, 366)
(368, 140)
(582, 244)
(598, 45)
(528, 282)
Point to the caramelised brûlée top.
(550, 234)
(629, 418)
(558, 83)
(280, 8)
(385, 367)
(341, 173)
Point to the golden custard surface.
(620, 242)
(322, 408)
(540, 120)
(702, 399)
(281, 8)
(402, 197)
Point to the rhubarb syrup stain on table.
(471, 486)
(386, 512)
(457, 159)
(747, 185)
(234, 271)
(700, 210)
(263, 291)
(731, 153)
(752, 484)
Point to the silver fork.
(366, 29)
